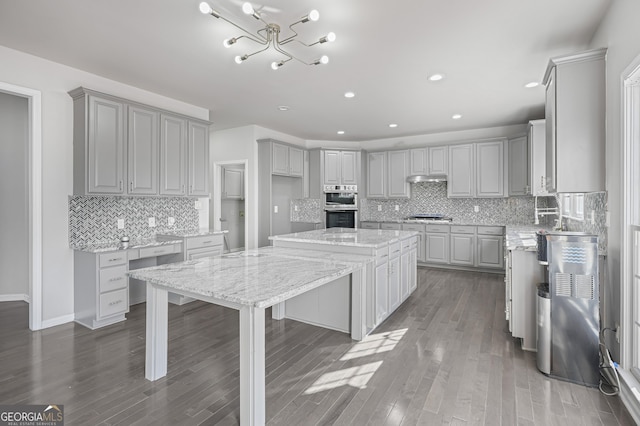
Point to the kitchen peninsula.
(249, 282)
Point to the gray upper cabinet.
(418, 164)
(332, 167)
(98, 143)
(377, 174)
(575, 122)
(198, 151)
(232, 184)
(173, 153)
(398, 162)
(287, 160)
(461, 171)
(350, 169)
(142, 157)
(438, 160)
(537, 158)
(490, 169)
(340, 167)
(518, 166)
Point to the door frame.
(216, 196)
(34, 176)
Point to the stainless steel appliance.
(429, 217)
(341, 206)
(574, 307)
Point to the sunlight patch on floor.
(357, 377)
(375, 344)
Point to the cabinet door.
(280, 159)
(332, 167)
(461, 171)
(490, 251)
(198, 159)
(405, 276)
(398, 187)
(350, 169)
(462, 249)
(143, 143)
(437, 248)
(394, 284)
(296, 162)
(173, 153)
(518, 166)
(233, 184)
(413, 268)
(382, 290)
(490, 169)
(550, 132)
(438, 164)
(376, 174)
(537, 158)
(105, 146)
(418, 162)
(204, 252)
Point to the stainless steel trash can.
(543, 334)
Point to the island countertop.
(347, 237)
(260, 277)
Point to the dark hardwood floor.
(445, 357)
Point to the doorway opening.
(228, 209)
(33, 199)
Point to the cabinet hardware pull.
(115, 279)
(115, 303)
(120, 185)
(207, 242)
(131, 186)
(114, 259)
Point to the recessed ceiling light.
(392, 125)
(341, 132)
(532, 84)
(436, 77)
(456, 116)
(349, 94)
(283, 108)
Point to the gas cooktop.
(430, 216)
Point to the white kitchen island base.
(249, 282)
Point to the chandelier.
(269, 36)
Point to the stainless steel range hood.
(426, 178)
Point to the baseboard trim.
(15, 298)
(58, 321)
(630, 393)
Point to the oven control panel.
(341, 188)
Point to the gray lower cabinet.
(198, 155)
(391, 226)
(173, 153)
(462, 244)
(394, 277)
(370, 225)
(490, 247)
(142, 156)
(437, 243)
(381, 299)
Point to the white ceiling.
(384, 52)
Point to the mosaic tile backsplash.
(94, 219)
(432, 198)
(309, 210)
(596, 202)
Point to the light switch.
(397, 207)
(476, 209)
(275, 209)
(120, 223)
(295, 208)
(152, 222)
(379, 207)
(171, 221)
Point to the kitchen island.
(390, 280)
(250, 282)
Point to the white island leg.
(157, 332)
(252, 371)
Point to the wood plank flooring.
(445, 357)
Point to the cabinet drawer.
(369, 225)
(204, 252)
(490, 230)
(112, 259)
(114, 302)
(113, 278)
(413, 227)
(157, 251)
(394, 250)
(205, 241)
(382, 255)
(460, 229)
(406, 244)
(391, 226)
(437, 228)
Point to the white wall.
(14, 244)
(620, 33)
(54, 81)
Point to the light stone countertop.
(192, 233)
(347, 237)
(523, 237)
(117, 246)
(259, 277)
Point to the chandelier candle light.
(269, 36)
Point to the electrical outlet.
(476, 209)
(397, 207)
(171, 221)
(152, 222)
(593, 217)
(295, 208)
(120, 223)
(196, 205)
(618, 332)
(607, 219)
(275, 209)
(379, 207)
